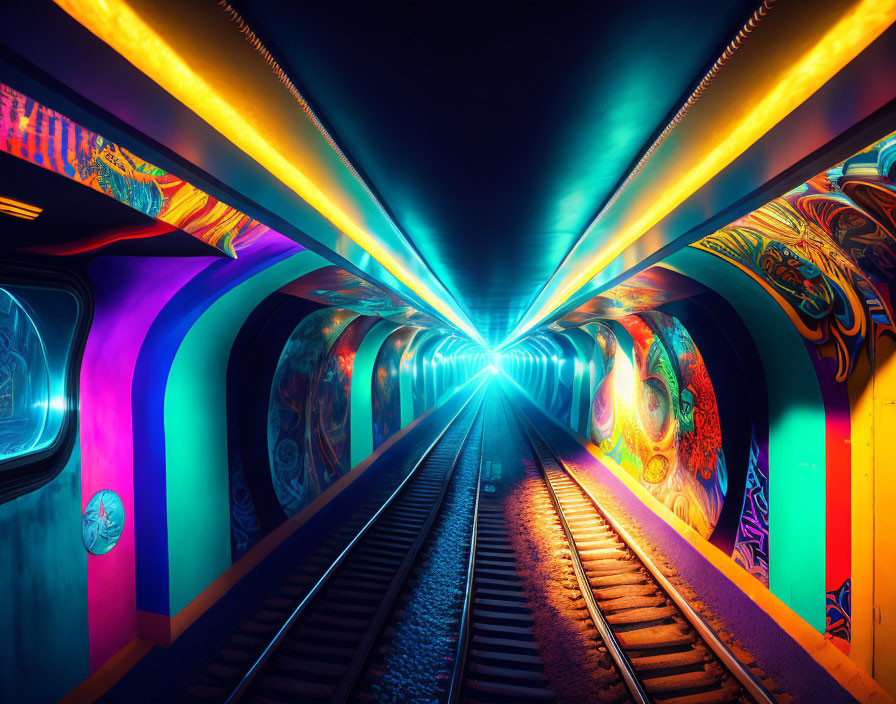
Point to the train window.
(42, 322)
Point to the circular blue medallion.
(102, 522)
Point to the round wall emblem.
(102, 522)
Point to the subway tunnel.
(452, 352)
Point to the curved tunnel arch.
(807, 282)
(195, 454)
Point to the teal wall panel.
(198, 487)
(43, 591)
(362, 390)
(797, 533)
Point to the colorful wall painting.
(655, 413)
(333, 286)
(826, 252)
(293, 474)
(385, 387)
(309, 414)
(837, 612)
(328, 453)
(102, 522)
(643, 291)
(24, 380)
(36, 133)
(751, 546)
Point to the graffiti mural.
(826, 252)
(34, 132)
(385, 385)
(837, 610)
(654, 411)
(328, 453)
(102, 522)
(295, 480)
(751, 548)
(333, 286)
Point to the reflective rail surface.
(460, 657)
(318, 653)
(664, 650)
(498, 655)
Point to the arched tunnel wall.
(212, 401)
(752, 365)
(185, 363)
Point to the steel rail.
(614, 649)
(243, 687)
(735, 667)
(460, 658)
(359, 660)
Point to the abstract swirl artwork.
(102, 522)
(295, 481)
(654, 412)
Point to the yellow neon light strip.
(18, 209)
(115, 23)
(15, 214)
(840, 45)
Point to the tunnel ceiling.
(76, 219)
(494, 134)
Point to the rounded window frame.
(24, 474)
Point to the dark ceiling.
(493, 132)
(79, 220)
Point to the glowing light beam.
(115, 23)
(841, 44)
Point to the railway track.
(318, 653)
(664, 651)
(498, 657)
(412, 658)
